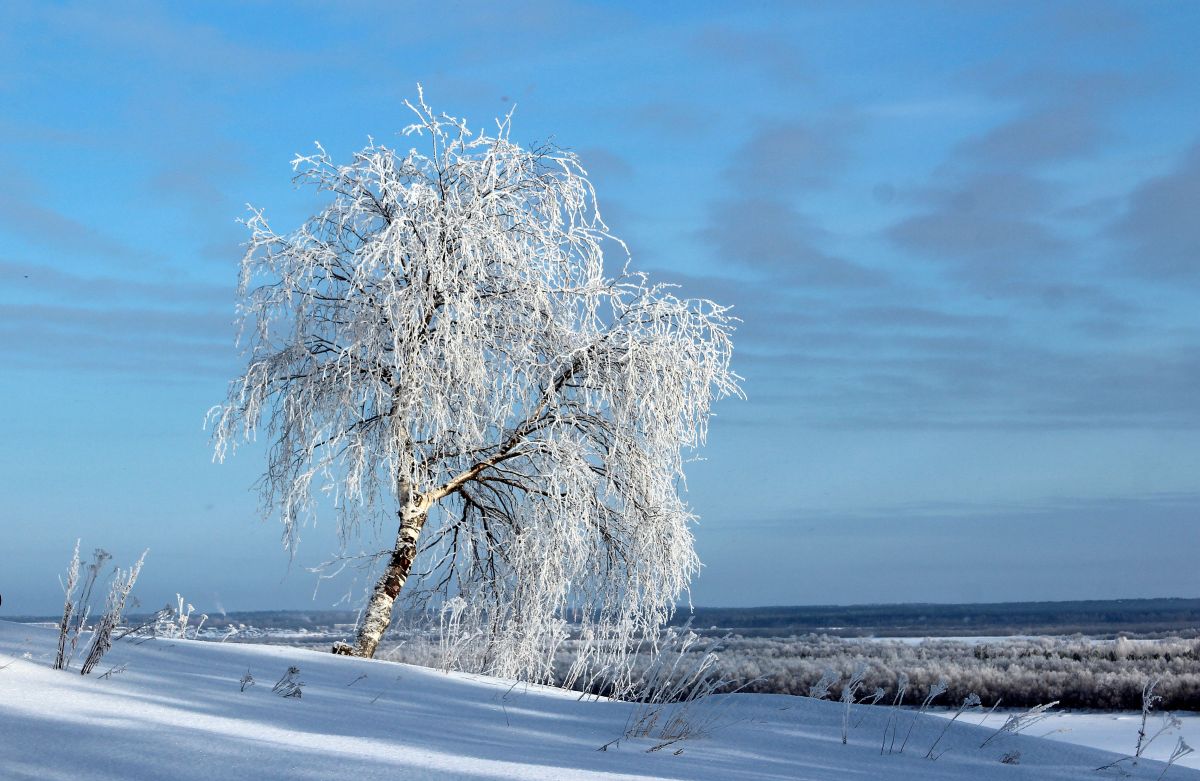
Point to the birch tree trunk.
(378, 616)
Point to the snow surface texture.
(1112, 731)
(176, 711)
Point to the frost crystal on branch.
(442, 339)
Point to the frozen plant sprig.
(853, 684)
(872, 699)
(672, 692)
(114, 609)
(84, 608)
(897, 701)
(290, 684)
(1182, 749)
(182, 616)
(77, 608)
(936, 690)
(60, 659)
(150, 625)
(970, 701)
(820, 689)
(1168, 723)
(1021, 721)
(1149, 700)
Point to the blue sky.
(962, 238)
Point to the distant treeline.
(1021, 672)
(1017, 672)
(1167, 616)
(1092, 617)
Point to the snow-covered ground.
(1111, 731)
(174, 711)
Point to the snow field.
(175, 712)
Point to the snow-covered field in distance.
(174, 711)
(1104, 730)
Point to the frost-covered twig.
(1149, 700)
(248, 680)
(820, 689)
(970, 701)
(871, 699)
(991, 710)
(83, 608)
(150, 623)
(1182, 749)
(118, 593)
(1020, 721)
(120, 668)
(897, 701)
(290, 684)
(853, 684)
(1168, 723)
(60, 659)
(935, 691)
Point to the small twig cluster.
(247, 680)
(77, 608)
(290, 684)
(118, 593)
(77, 605)
(1168, 723)
(670, 691)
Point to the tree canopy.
(442, 340)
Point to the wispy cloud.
(770, 236)
(1159, 229)
(774, 56)
(993, 210)
(50, 229)
(61, 321)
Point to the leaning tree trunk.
(378, 617)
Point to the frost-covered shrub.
(1023, 672)
(172, 622)
(1078, 672)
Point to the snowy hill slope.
(176, 712)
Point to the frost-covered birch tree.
(441, 341)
